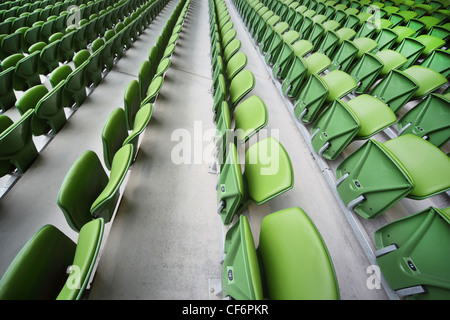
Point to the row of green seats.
(304, 269)
(42, 110)
(378, 175)
(54, 266)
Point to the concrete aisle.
(165, 242)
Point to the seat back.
(113, 135)
(240, 86)
(131, 102)
(83, 183)
(411, 253)
(250, 116)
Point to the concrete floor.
(166, 240)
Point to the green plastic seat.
(144, 78)
(45, 260)
(319, 91)
(17, 145)
(428, 79)
(115, 133)
(241, 84)
(29, 101)
(303, 270)
(378, 175)
(344, 55)
(423, 24)
(88, 193)
(431, 43)
(403, 16)
(357, 119)
(163, 66)
(268, 173)
(10, 44)
(250, 116)
(75, 87)
(412, 49)
(49, 58)
(153, 90)
(7, 95)
(94, 67)
(412, 254)
(301, 69)
(439, 61)
(395, 89)
(132, 102)
(280, 36)
(428, 120)
(235, 65)
(231, 49)
(50, 108)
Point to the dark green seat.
(94, 68)
(412, 49)
(10, 44)
(75, 87)
(412, 253)
(428, 120)
(7, 95)
(50, 108)
(378, 175)
(319, 91)
(291, 262)
(88, 193)
(438, 60)
(29, 101)
(131, 102)
(357, 119)
(17, 145)
(46, 260)
(115, 133)
(268, 173)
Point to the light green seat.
(412, 254)
(357, 119)
(115, 133)
(431, 43)
(250, 116)
(231, 49)
(153, 90)
(16, 143)
(240, 86)
(303, 270)
(236, 64)
(428, 79)
(319, 91)
(378, 175)
(428, 120)
(88, 193)
(268, 173)
(163, 66)
(40, 269)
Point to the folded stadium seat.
(334, 39)
(66, 48)
(399, 87)
(441, 31)
(278, 38)
(94, 67)
(235, 65)
(268, 173)
(51, 109)
(389, 38)
(412, 49)
(115, 133)
(7, 94)
(378, 175)
(402, 17)
(291, 262)
(269, 33)
(153, 89)
(370, 28)
(438, 60)
(56, 267)
(47, 28)
(262, 27)
(162, 67)
(87, 193)
(80, 39)
(132, 102)
(423, 24)
(357, 119)
(412, 254)
(250, 116)
(371, 67)
(30, 37)
(431, 43)
(144, 79)
(422, 9)
(91, 34)
(118, 40)
(286, 54)
(25, 70)
(75, 84)
(29, 101)
(319, 30)
(231, 49)
(319, 91)
(48, 59)
(428, 120)
(16, 143)
(298, 18)
(10, 44)
(240, 86)
(300, 69)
